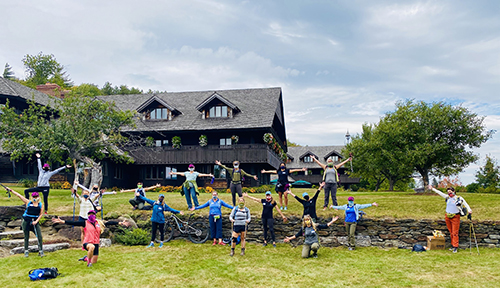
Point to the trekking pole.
(102, 207)
(6, 188)
(350, 155)
(475, 239)
(470, 238)
(36, 235)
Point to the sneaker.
(242, 252)
(451, 249)
(274, 245)
(46, 213)
(89, 265)
(265, 244)
(26, 253)
(324, 208)
(151, 245)
(41, 254)
(315, 255)
(455, 250)
(84, 258)
(222, 243)
(351, 248)
(232, 252)
(161, 245)
(215, 243)
(281, 208)
(285, 208)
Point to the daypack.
(43, 273)
(230, 178)
(418, 248)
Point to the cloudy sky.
(340, 63)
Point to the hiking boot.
(242, 252)
(232, 252)
(455, 250)
(151, 245)
(26, 253)
(84, 258)
(161, 245)
(41, 254)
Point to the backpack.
(462, 210)
(43, 273)
(230, 178)
(418, 248)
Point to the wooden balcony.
(166, 155)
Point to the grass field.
(392, 204)
(183, 264)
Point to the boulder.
(104, 242)
(70, 233)
(16, 243)
(17, 234)
(46, 248)
(9, 212)
(15, 223)
(2, 227)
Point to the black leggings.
(45, 191)
(157, 226)
(268, 222)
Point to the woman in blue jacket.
(158, 217)
(352, 217)
(214, 217)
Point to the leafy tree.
(80, 128)
(108, 89)
(84, 89)
(41, 69)
(436, 137)
(7, 72)
(435, 183)
(291, 144)
(489, 174)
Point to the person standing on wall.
(44, 175)
(331, 179)
(454, 209)
(236, 174)
(282, 185)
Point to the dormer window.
(216, 106)
(218, 111)
(159, 114)
(308, 159)
(157, 109)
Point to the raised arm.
(281, 213)
(205, 175)
(177, 173)
(67, 222)
(59, 169)
(39, 162)
(149, 201)
(251, 198)
(298, 170)
(247, 174)
(437, 192)
(128, 190)
(25, 201)
(321, 185)
(201, 206)
(152, 187)
(317, 162)
(268, 171)
(287, 239)
(342, 163)
(225, 204)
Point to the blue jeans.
(215, 227)
(190, 193)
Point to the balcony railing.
(245, 153)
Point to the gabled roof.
(321, 152)
(14, 89)
(153, 99)
(217, 96)
(333, 152)
(257, 106)
(307, 154)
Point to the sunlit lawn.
(392, 204)
(183, 264)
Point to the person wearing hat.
(453, 205)
(44, 175)
(268, 204)
(236, 174)
(282, 183)
(214, 216)
(331, 178)
(31, 219)
(190, 188)
(309, 231)
(92, 238)
(309, 203)
(158, 217)
(352, 217)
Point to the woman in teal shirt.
(190, 188)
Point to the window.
(29, 169)
(105, 169)
(308, 159)
(225, 142)
(218, 112)
(167, 173)
(334, 158)
(159, 114)
(118, 172)
(219, 172)
(154, 172)
(159, 143)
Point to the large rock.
(2, 228)
(361, 241)
(104, 242)
(46, 248)
(9, 212)
(15, 223)
(17, 234)
(70, 233)
(16, 243)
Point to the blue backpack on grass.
(43, 273)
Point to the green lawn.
(183, 264)
(392, 204)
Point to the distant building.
(299, 157)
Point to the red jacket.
(92, 232)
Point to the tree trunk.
(425, 176)
(391, 184)
(92, 173)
